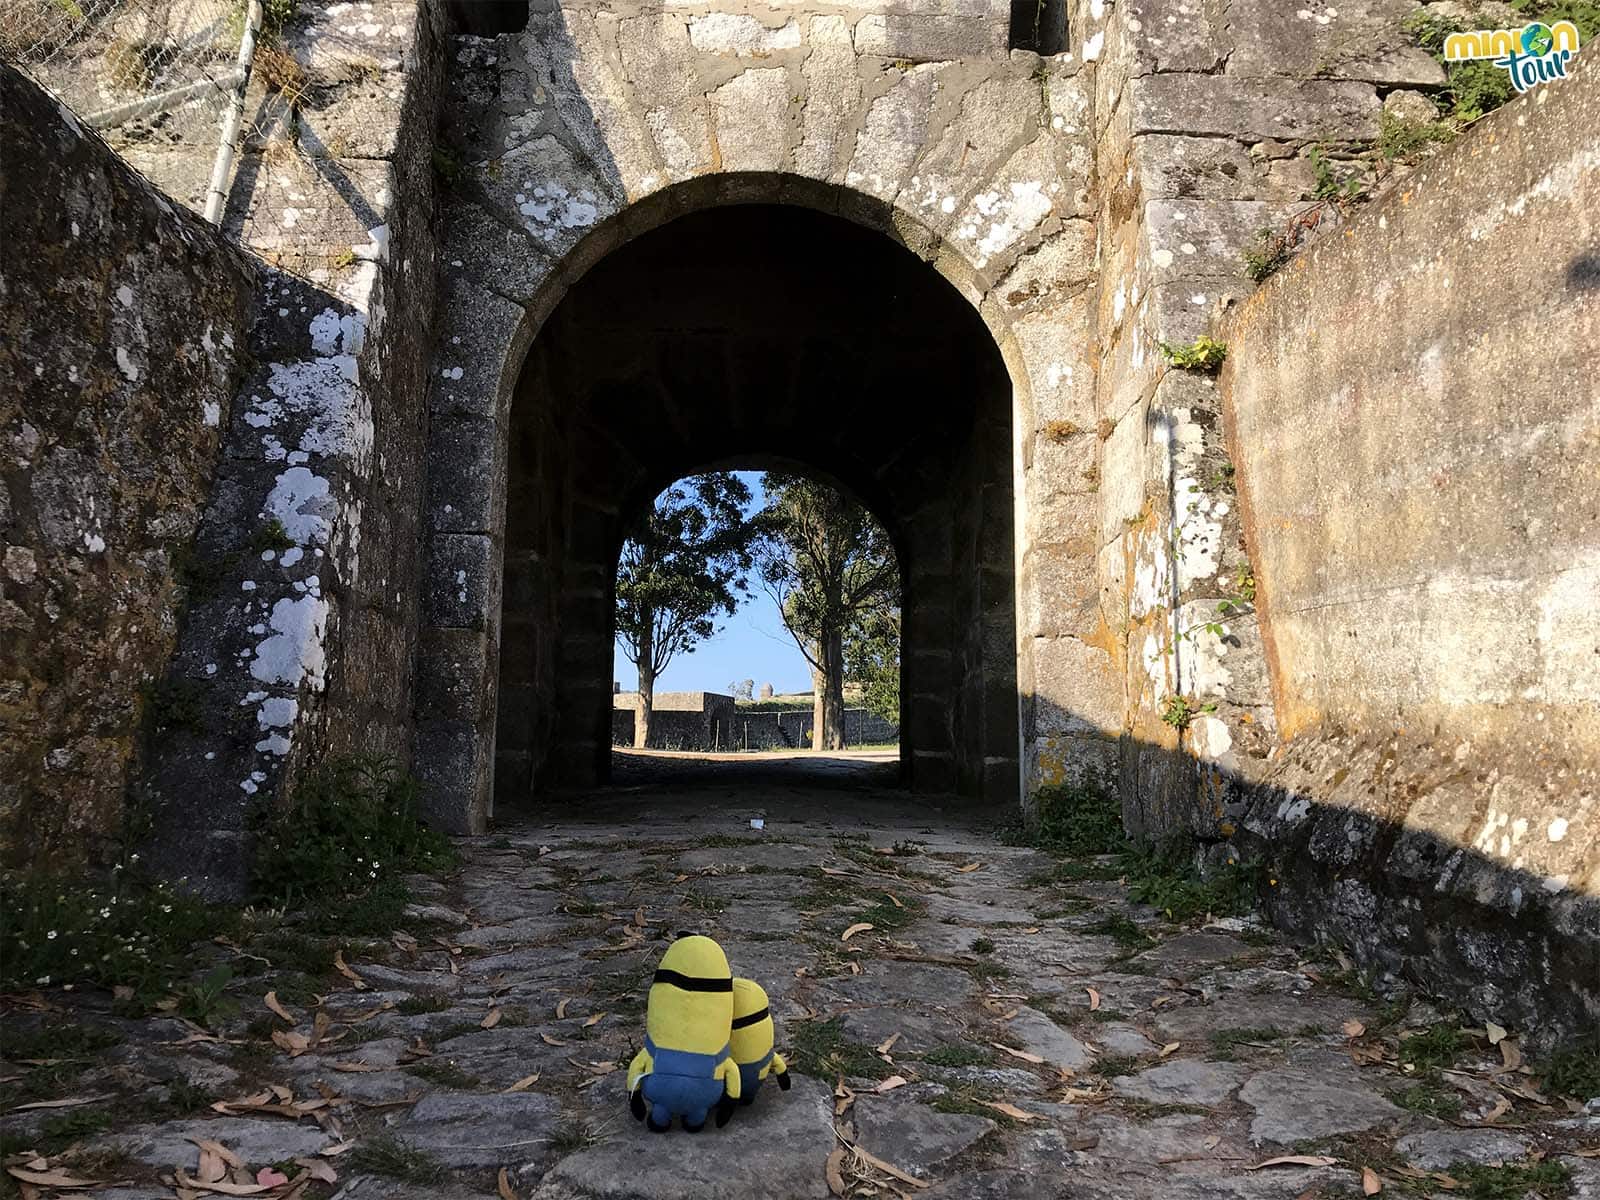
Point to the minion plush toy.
(752, 1041)
(686, 1068)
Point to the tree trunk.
(647, 688)
(817, 687)
(831, 726)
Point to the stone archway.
(735, 335)
(499, 307)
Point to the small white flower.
(51, 935)
(166, 908)
(42, 980)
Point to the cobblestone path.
(1001, 1024)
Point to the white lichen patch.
(997, 219)
(296, 652)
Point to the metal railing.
(164, 82)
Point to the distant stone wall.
(718, 725)
(1412, 411)
(123, 323)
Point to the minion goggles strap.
(693, 983)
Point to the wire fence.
(166, 85)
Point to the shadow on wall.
(1504, 943)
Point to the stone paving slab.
(1205, 1050)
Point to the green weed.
(1072, 819)
(344, 843)
(1574, 1071)
(388, 1156)
(1439, 1047)
(1165, 877)
(1547, 1178)
(1122, 930)
(958, 1055)
(102, 933)
(1205, 353)
(823, 1047)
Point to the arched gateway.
(679, 239)
(735, 320)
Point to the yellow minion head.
(691, 998)
(752, 1023)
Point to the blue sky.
(752, 644)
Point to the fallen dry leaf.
(337, 1149)
(1094, 999)
(211, 1167)
(217, 1148)
(551, 1041)
(889, 1084)
(1010, 1110)
(561, 1009)
(222, 1185)
(271, 1001)
(523, 1084)
(834, 871)
(1353, 1028)
(69, 1102)
(1371, 1185)
(887, 1044)
(1168, 1049)
(1015, 1053)
(58, 1179)
(271, 1177)
(1496, 1033)
(638, 916)
(343, 968)
(835, 1171)
(294, 1044)
(1511, 1053)
(966, 870)
(356, 1066)
(503, 1186)
(490, 1019)
(1295, 1160)
(873, 1160)
(1501, 1107)
(858, 927)
(893, 899)
(594, 1020)
(318, 1169)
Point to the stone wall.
(300, 636)
(1412, 412)
(706, 721)
(123, 325)
(1205, 121)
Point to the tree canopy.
(683, 565)
(827, 563)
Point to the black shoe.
(783, 1082)
(636, 1105)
